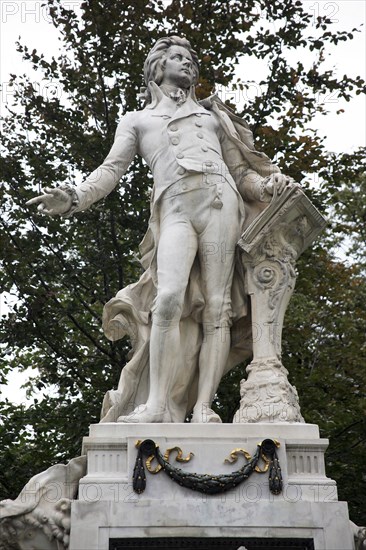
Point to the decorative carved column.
(270, 248)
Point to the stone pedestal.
(108, 514)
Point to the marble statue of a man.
(209, 182)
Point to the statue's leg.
(177, 249)
(217, 255)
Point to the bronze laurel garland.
(207, 483)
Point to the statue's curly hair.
(155, 62)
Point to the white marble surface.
(109, 508)
(112, 454)
(227, 431)
(210, 183)
(93, 524)
(39, 518)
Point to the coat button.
(184, 186)
(181, 170)
(180, 156)
(204, 148)
(175, 141)
(174, 128)
(200, 135)
(198, 114)
(198, 123)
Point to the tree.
(63, 271)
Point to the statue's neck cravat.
(176, 94)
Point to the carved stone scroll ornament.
(207, 483)
(271, 246)
(40, 517)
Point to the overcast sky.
(344, 132)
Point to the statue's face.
(178, 69)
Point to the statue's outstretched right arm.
(67, 199)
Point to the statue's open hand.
(277, 183)
(52, 201)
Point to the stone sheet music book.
(292, 208)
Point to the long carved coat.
(130, 311)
